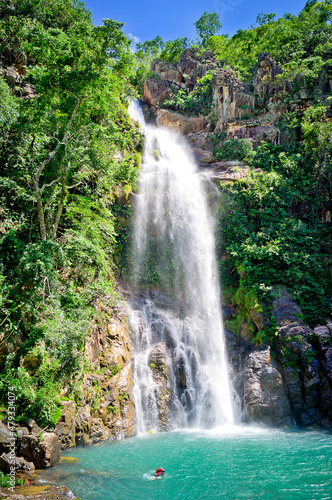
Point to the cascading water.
(181, 374)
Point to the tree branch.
(64, 139)
(49, 185)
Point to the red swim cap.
(160, 470)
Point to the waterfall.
(180, 368)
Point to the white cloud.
(134, 38)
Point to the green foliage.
(5, 481)
(167, 51)
(207, 25)
(199, 101)
(8, 106)
(230, 149)
(317, 132)
(65, 156)
(123, 396)
(115, 370)
(300, 44)
(172, 49)
(267, 334)
(273, 246)
(150, 48)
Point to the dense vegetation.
(68, 154)
(276, 223)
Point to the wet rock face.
(158, 362)
(264, 393)
(294, 385)
(322, 341)
(297, 359)
(257, 381)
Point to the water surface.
(238, 464)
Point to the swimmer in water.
(159, 472)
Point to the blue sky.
(171, 19)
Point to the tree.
(207, 25)
(150, 48)
(79, 74)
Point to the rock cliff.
(289, 382)
(106, 407)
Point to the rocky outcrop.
(289, 383)
(268, 90)
(191, 66)
(106, 410)
(156, 91)
(20, 464)
(5, 438)
(243, 112)
(297, 359)
(43, 449)
(65, 426)
(12, 76)
(178, 122)
(258, 384)
(232, 100)
(264, 392)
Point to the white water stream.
(179, 323)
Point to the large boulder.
(167, 72)
(11, 76)
(156, 91)
(43, 450)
